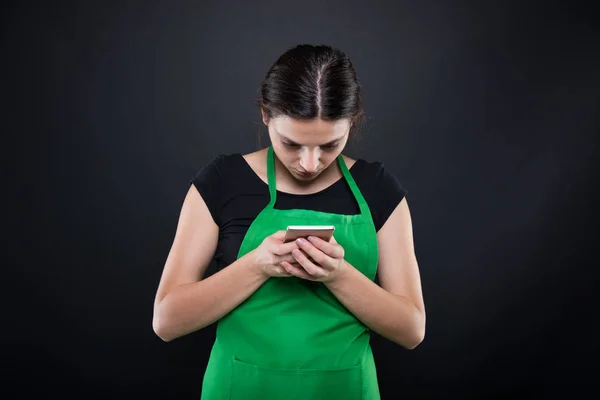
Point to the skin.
(307, 147)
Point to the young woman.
(294, 318)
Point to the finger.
(286, 248)
(311, 251)
(288, 257)
(308, 266)
(296, 270)
(293, 264)
(279, 235)
(281, 271)
(332, 249)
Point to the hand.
(319, 260)
(271, 252)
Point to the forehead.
(316, 129)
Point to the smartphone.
(294, 232)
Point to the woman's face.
(307, 148)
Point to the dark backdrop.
(487, 112)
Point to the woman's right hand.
(271, 252)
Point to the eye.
(330, 147)
(290, 145)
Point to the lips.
(304, 173)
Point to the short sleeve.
(208, 181)
(390, 193)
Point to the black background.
(487, 112)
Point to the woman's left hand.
(325, 263)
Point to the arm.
(396, 309)
(184, 301)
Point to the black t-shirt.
(235, 195)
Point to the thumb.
(279, 235)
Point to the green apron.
(292, 339)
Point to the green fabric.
(292, 339)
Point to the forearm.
(194, 306)
(393, 317)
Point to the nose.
(310, 161)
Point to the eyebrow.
(330, 143)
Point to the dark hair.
(309, 82)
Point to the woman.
(294, 317)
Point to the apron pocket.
(251, 381)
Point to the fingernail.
(300, 241)
(311, 238)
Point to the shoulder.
(219, 163)
(381, 188)
(220, 166)
(210, 178)
(376, 173)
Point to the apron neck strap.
(362, 203)
(364, 207)
(271, 176)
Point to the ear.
(265, 117)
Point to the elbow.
(416, 340)
(159, 330)
(418, 333)
(159, 326)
